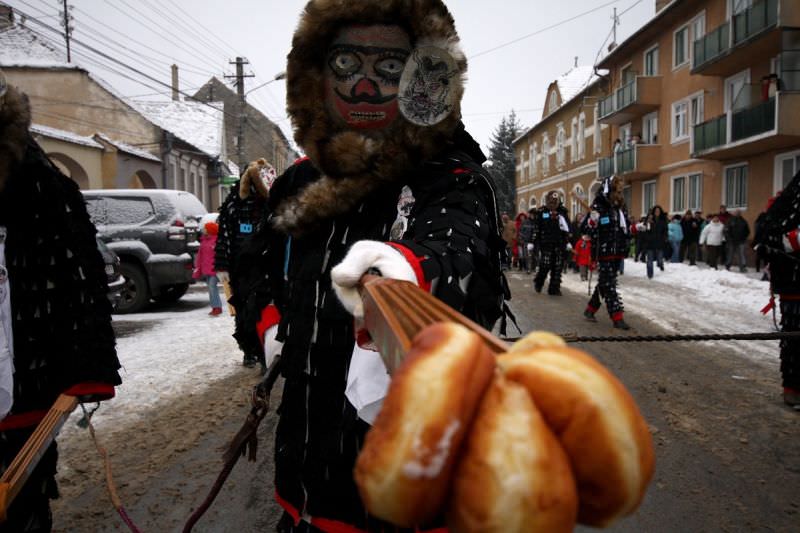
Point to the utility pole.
(66, 19)
(240, 76)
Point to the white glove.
(640, 226)
(529, 246)
(569, 247)
(594, 215)
(363, 256)
(223, 276)
(272, 347)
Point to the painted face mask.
(425, 95)
(552, 201)
(362, 75)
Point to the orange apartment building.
(705, 100)
(559, 153)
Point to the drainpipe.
(166, 148)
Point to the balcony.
(758, 128)
(732, 46)
(632, 100)
(637, 162)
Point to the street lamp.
(278, 76)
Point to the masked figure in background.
(374, 91)
(609, 228)
(551, 237)
(55, 317)
(240, 216)
(777, 242)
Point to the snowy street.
(722, 434)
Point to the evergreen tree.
(503, 163)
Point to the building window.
(696, 106)
(698, 28)
(695, 192)
(648, 196)
(651, 62)
(532, 203)
(735, 187)
(786, 166)
(573, 141)
(679, 194)
(545, 155)
(534, 166)
(680, 121)
(582, 136)
(650, 128)
(626, 195)
(553, 101)
(560, 138)
(681, 47)
(597, 140)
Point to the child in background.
(204, 265)
(583, 256)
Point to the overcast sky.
(202, 35)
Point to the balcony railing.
(605, 167)
(626, 160)
(626, 95)
(711, 133)
(753, 121)
(755, 19)
(606, 106)
(712, 45)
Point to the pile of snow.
(695, 300)
(199, 124)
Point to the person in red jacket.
(204, 266)
(583, 256)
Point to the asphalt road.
(727, 449)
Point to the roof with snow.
(129, 149)
(198, 124)
(62, 135)
(21, 47)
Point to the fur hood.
(355, 163)
(15, 119)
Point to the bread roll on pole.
(512, 476)
(404, 470)
(597, 422)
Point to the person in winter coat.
(55, 317)
(608, 227)
(654, 237)
(204, 265)
(519, 247)
(240, 215)
(377, 111)
(736, 232)
(525, 238)
(551, 237)
(713, 237)
(583, 256)
(778, 243)
(691, 237)
(675, 237)
(510, 237)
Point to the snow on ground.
(695, 300)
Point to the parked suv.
(154, 233)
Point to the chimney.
(576, 61)
(6, 16)
(175, 93)
(661, 4)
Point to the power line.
(542, 30)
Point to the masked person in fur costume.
(608, 226)
(374, 91)
(55, 317)
(551, 237)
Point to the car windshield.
(189, 207)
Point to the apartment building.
(559, 152)
(705, 101)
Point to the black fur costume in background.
(551, 241)
(784, 273)
(610, 242)
(61, 313)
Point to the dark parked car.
(115, 280)
(154, 233)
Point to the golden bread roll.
(537, 339)
(598, 424)
(512, 475)
(403, 472)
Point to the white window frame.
(699, 205)
(655, 49)
(534, 162)
(521, 206)
(581, 135)
(729, 98)
(777, 181)
(553, 105)
(729, 5)
(573, 140)
(561, 138)
(545, 154)
(647, 133)
(597, 142)
(723, 200)
(675, 138)
(626, 134)
(696, 101)
(687, 55)
(645, 207)
(684, 197)
(622, 70)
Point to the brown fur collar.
(15, 119)
(353, 163)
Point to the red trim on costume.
(288, 507)
(460, 171)
(591, 309)
(334, 526)
(617, 316)
(269, 317)
(793, 240)
(416, 264)
(22, 420)
(767, 308)
(101, 391)
(300, 160)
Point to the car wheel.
(135, 294)
(171, 293)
